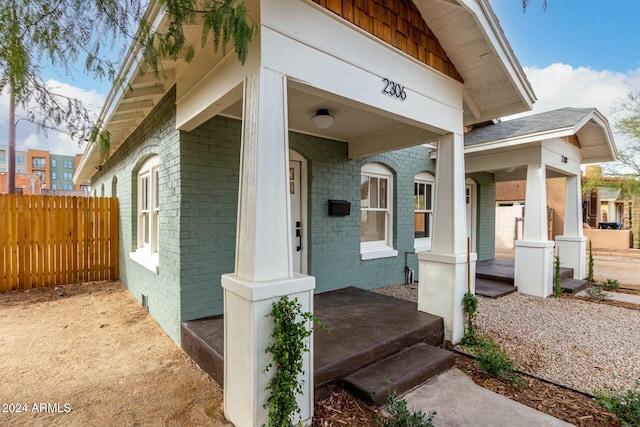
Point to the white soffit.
(469, 31)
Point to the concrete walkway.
(617, 296)
(459, 401)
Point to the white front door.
(295, 191)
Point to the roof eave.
(128, 71)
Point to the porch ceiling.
(354, 124)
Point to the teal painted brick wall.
(210, 165)
(485, 215)
(334, 242)
(155, 136)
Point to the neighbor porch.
(495, 278)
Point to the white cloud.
(560, 85)
(29, 136)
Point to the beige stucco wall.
(608, 239)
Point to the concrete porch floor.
(364, 328)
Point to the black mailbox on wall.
(339, 208)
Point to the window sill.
(370, 254)
(149, 261)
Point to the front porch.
(495, 278)
(367, 330)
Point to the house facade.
(231, 195)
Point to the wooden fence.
(56, 240)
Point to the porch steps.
(573, 286)
(493, 288)
(496, 270)
(495, 278)
(405, 370)
(365, 327)
(570, 285)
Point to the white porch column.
(443, 271)
(572, 245)
(534, 253)
(263, 269)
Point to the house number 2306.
(394, 89)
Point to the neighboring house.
(536, 148)
(610, 206)
(284, 176)
(26, 183)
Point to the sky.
(575, 53)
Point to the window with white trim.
(423, 211)
(376, 212)
(148, 212)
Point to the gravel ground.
(580, 344)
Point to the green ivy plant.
(610, 284)
(557, 279)
(470, 307)
(289, 344)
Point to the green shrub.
(596, 292)
(398, 415)
(610, 284)
(494, 361)
(625, 406)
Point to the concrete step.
(497, 270)
(573, 286)
(566, 272)
(203, 341)
(406, 370)
(493, 288)
(365, 328)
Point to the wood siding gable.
(398, 23)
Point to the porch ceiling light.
(509, 170)
(322, 119)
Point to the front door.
(295, 191)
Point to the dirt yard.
(89, 355)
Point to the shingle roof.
(607, 193)
(547, 121)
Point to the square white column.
(534, 253)
(247, 332)
(572, 245)
(444, 273)
(263, 265)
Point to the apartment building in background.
(54, 173)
